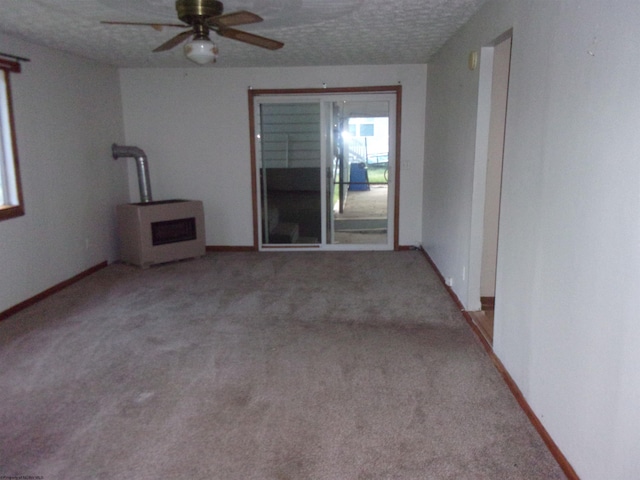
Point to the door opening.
(324, 164)
(361, 207)
(492, 110)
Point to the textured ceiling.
(315, 32)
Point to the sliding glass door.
(324, 169)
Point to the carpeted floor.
(309, 365)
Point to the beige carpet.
(350, 365)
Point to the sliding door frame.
(254, 93)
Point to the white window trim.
(11, 202)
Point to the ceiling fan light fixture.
(198, 18)
(201, 50)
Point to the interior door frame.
(392, 89)
(483, 130)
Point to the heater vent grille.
(172, 231)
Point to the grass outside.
(376, 173)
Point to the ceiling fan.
(200, 17)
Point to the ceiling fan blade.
(155, 26)
(250, 38)
(241, 17)
(172, 42)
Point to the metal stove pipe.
(123, 151)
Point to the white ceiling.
(315, 32)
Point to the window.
(366, 130)
(11, 204)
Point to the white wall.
(569, 248)
(194, 126)
(67, 112)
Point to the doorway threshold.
(483, 319)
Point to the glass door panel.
(362, 146)
(290, 183)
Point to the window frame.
(10, 166)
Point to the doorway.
(492, 111)
(324, 167)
